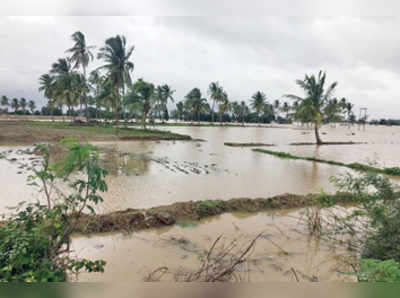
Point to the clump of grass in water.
(355, 166)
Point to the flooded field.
(145, 174)
(150, 173)
(284, 247)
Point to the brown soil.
(248, 145)
(19, 132)
(137, 219)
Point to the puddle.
(283, 246)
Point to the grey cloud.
(244, 54)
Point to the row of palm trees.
(20, 105)
(110, 88)
(68, 84)
(317, 107)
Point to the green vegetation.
(371, 228)
(355, 166)
(106, 129)
(378, 271)
(317, 106)
(35, 240)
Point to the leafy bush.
(379, 271)
(35, 241)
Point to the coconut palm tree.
(5, 102)
(22, 104)
(224, 106)
(46, 83)
(315, 100)
(32, 106)
(285, 108)
(216, 93)
(118, 68)
(167, 96)
(244, 110)
(258, 102)
(15, 104)
(180, 110)
(64, 92)
(143, 93)
(81, 56)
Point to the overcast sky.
(245, 54)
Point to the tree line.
(109, 92)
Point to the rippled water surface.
(283, 247)
(150, 173)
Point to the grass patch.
(248, 144)
(107, 129)
(355, 166)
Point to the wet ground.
(150, 173)
(284, 247)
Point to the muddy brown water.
(150, 173)
(284, 246)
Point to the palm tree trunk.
(317, 137)
(212, 112)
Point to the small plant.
(35, 241)
(208, 207)
(372, 270)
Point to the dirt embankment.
(248, 145)
(19, 132)
(138, 219)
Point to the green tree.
(23, 103)
(47, 86)
(257, 103)
(116, 56)
(143, 93)
(216, 93)
(180, 110)
(15, 104)
(32, 106)
(81, 56)
(316, 99)
(35, 241)
(64, 92)
(5, 102)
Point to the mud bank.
(326, 143)
(248, 145)
(139, 219)
(395, 171)
(18, 132)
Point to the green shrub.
(378, 271)
(35, 240)
(208, 207)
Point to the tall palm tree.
(5, 102)
(64, 91)
(15, 104)
(244, 110)
(258, 102)
(143, 93)
(32, 106)
(167, 96)
(216, 93)
(179, 110)
(118, 68)
(22, 104)
(224, 106)
(46, 83)
(315, 100)
(81, 56)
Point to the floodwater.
(285, 246)
(150, 173)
